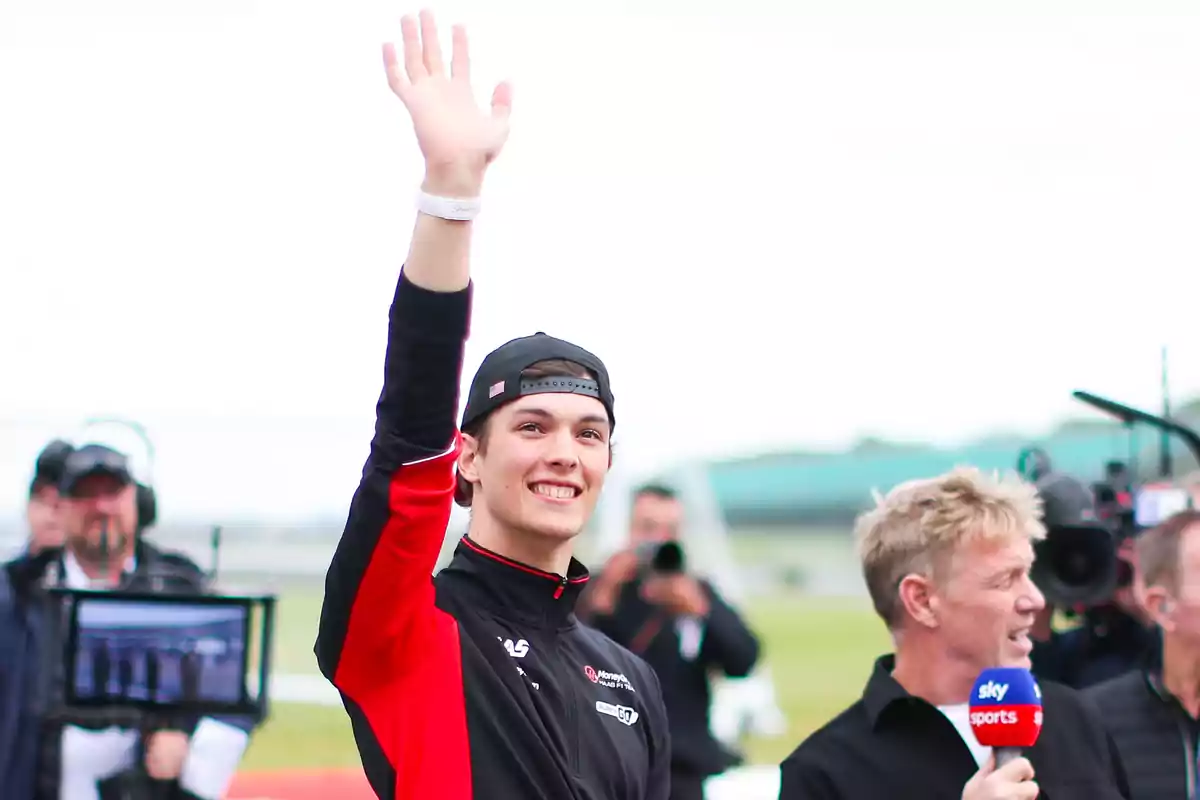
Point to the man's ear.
(467, 458)
(920, 600)
(1160, 607)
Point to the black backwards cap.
(93, 459)
(498, 380)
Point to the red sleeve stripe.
(401, 661)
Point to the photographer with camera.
(1086, 566)
(103, 510)
(646, 600)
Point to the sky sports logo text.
(1002, 717)
(993, 691)
(997, 691)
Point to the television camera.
(159, 652)
(162, 649)
(1079, 565)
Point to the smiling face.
(539, 464)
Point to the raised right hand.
(457, 138)
(1013, 781)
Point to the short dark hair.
(49, 467)
(659, 490)
(1158, 549)
(464, 490)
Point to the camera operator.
(102, 510)
(1086, 565)
(1152, 713)
(645, 600)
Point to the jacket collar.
(885, 696)
(1153, 679)
(883, 691)
(510, 589)
(74, 577)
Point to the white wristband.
(459, 209)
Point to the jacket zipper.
(562, 586)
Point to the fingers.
(1028, 791)
(414, 63)
(392, 67)
(502, 100)
(432, 49)
(423, 53)
(414, 60)
(1017, 770)
(460, 56)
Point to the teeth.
(556, 492)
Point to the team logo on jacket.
(613, 680)
(517, 649)
(624, 713)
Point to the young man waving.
(479, 683)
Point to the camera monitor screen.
(1154, 504)
(159, 652)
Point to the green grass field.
(820, 652)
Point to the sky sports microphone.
(1006, 711)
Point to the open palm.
(454, 134)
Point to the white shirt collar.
(75, 578)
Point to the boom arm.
(1129, 415)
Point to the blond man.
(947, 562)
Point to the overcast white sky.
(778, 228)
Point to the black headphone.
(147, 501)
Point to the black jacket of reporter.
(684, 660)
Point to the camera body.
(159, 651)
(1081, 561)
(662, 558)
(1077, 564)
(1114, 500)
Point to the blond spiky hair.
(920, 521)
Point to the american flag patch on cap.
(495, 389)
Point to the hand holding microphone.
(1013, 781)
(1006, 715)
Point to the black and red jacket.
(479, 683)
